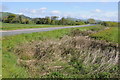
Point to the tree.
(27, 21)
(20, 19)
(62, 21)
(56, 22)
(11, 17)
(48, 20)
(15, 20)
(5, 20)
(80, 23)
(54, 17)
(91, 21)
(36, 20)
(53, 22)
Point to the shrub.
(110, 24)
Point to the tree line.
(15, 19)
(53, 20)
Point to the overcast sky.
(107, 11)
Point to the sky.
(106, 11)
(60, 0)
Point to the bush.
(110, 24)
(80, 23)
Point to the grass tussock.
(62, 54)
(74, 55)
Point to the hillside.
(5, 14)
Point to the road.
(14, 32)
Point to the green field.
(10, 67)
(8, 26)
(110, 34)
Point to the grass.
(9, 66)
(8, 26)
(110, 34)
(0, 58)
(0, 64)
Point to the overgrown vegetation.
(110, 24)
(65, 53)
(10, 42)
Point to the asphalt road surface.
(21, 31)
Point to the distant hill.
(5, 14)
